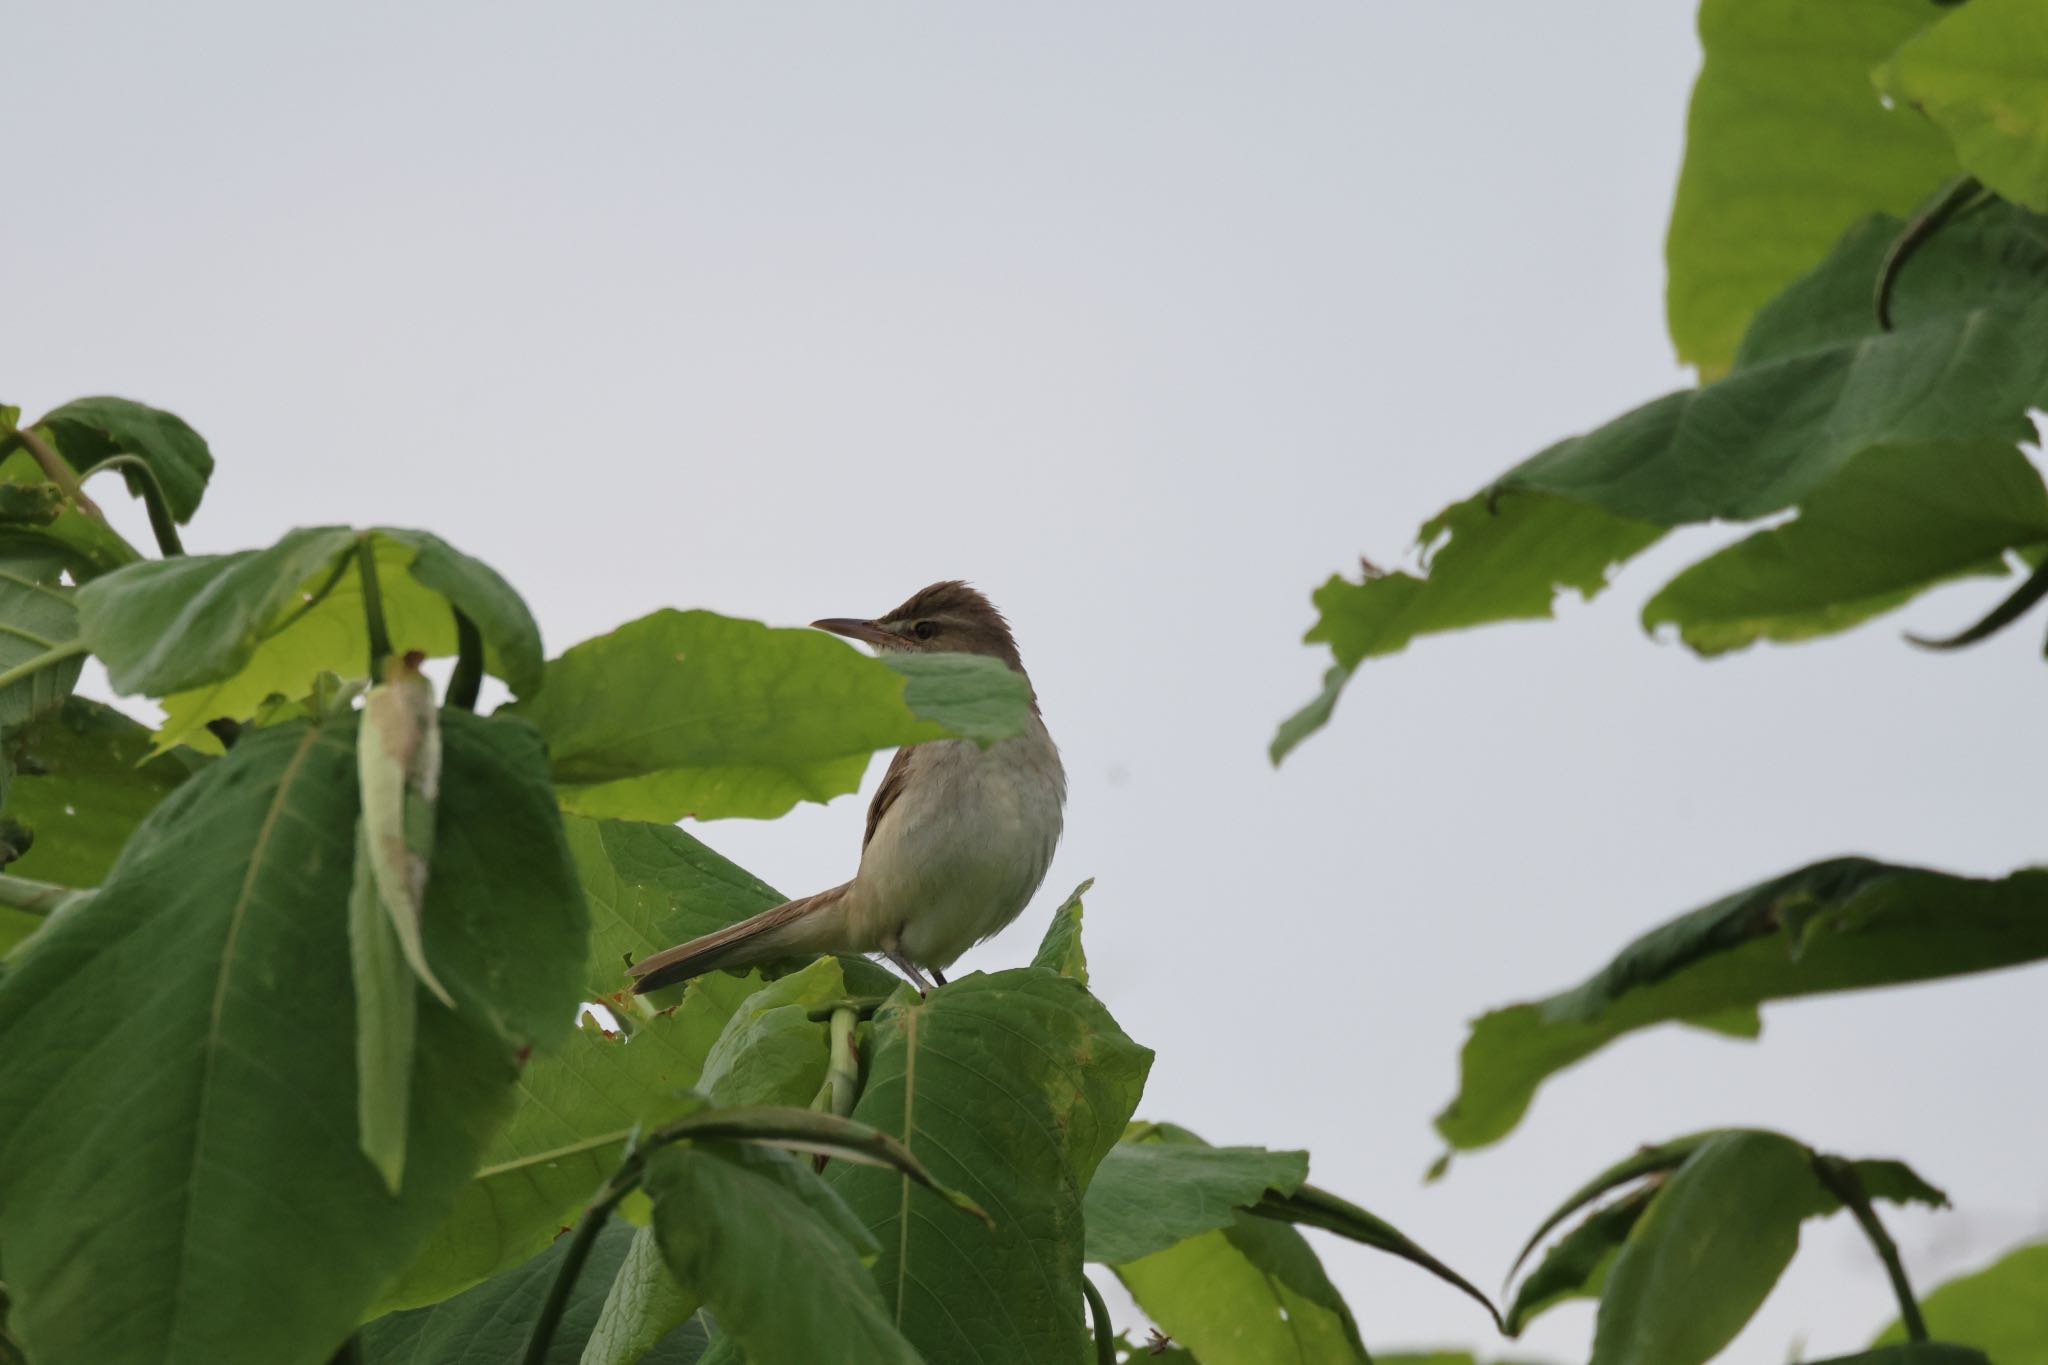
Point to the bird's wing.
(893, 783)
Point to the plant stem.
(1948, 201)
(350, 1352)
(161, 522)
(30, 896)
(1843, 1182)
(373, 605)
(580, 1241)
(468, 676)
(1098, 1313)
(58, 472)
(70, 649)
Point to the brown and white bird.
(958, 836)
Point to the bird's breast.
(962, 850)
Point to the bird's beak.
(868, 632)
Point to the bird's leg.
(894, 952)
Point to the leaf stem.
(70, 649)
(1843, 1182)
(580, 1241)
(1947, 202)
(161, 523)
(30, 896)
(57, 471)
(468, 676)
(1999, 617)
(1098, 1313)
(373, 603)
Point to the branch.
(32, 897)
(1098, 1313)
(57, 471)
(580, 1241)
(1842, 1182)
(373, 604)
(468, 676)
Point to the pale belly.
(962, 851)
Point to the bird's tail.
(811, 924)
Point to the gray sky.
(1145, 318)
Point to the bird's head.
(947, 617)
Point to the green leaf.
(1897, 521)
(1060, 950)
(1252, 1293)
(2002, 1308)
(259, 622)
(89, 431)
(489, 1324)
(1707, 1253)
(1921, 1353)
(1012, 1087)
(578, 1104)
(38, 624)
(1316, 1208)
(688, 713)
(1503, 563)
(1786, 146)
(1982, 75)
(651, 886)
(1576, 1267)
(757, 1235)
(771, 1051)
(226, 913)
(643, 1307)
(84, 779)
(1844, 924)
(1148, 1195)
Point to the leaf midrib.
(236, 916)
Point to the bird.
(958, 837)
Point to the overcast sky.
(1145, 318)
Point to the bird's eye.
(924, 630)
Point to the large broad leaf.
(1577, 1264)
(652, 886)
(1482, 563)
(643, 1307)
(1817, 385)
(2002, 1308)
(87, 432)
(1148, 1195)
(84, 779)
(38, 619)
(1982, 75)
(1897, 521)
(578, 1104)
(489, 1324)
(1706, 1254)
(1920, 1353)
(1012, 1088)
(214, 635)
(1786, 146)
(1844, 924)
(688, 713)
(775, 1255)
(222, 932)
(1252, 1293)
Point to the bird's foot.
(909, 969)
